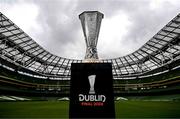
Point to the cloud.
(55, 25)
(22, 14)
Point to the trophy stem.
(92, 90)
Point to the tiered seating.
(17, 83)
(165, 82)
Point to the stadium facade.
(27, 68)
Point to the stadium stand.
(28, 69)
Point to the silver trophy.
(92, 82)
(91, 22)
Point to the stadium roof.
(19, 52)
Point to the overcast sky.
(54, 24)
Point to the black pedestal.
(86, 102)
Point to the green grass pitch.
(59, 109)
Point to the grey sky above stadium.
(54, 24)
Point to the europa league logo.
(92, 82)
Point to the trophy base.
(91, 61)
(91, 92)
